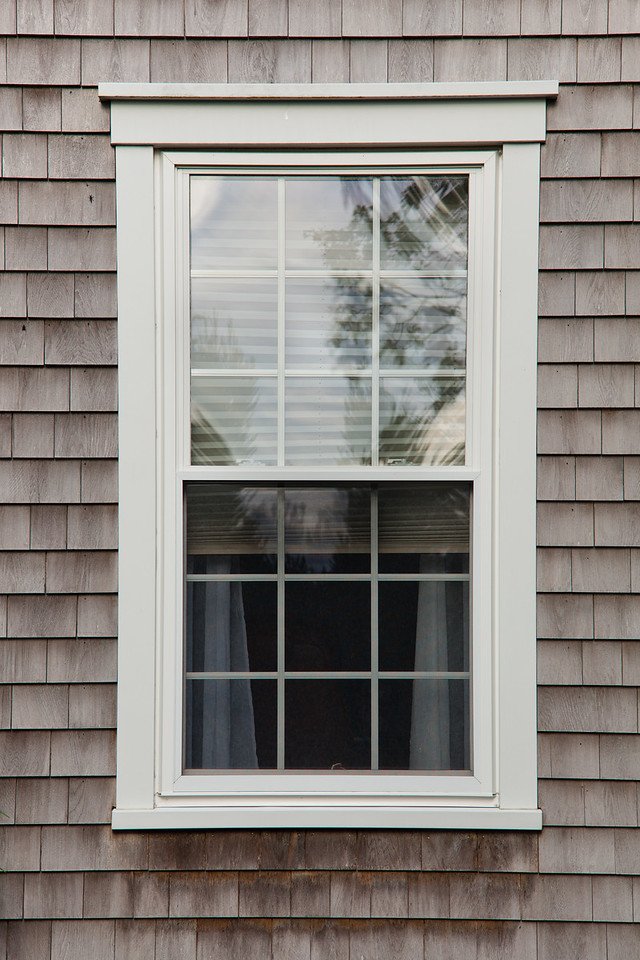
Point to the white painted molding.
(310, 817)
(418, 117)
(306, 116)
(137, 476)
(523, 89)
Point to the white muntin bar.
(229, 274)
(375, 702)
(375, 328)
(328, 675)
(280, 719)
(251, 372)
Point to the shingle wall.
(71, 888)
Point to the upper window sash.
(480, 167)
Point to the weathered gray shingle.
(226, 18)
(58, 382)
(43, 60)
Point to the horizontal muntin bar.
(260, 473)
(328, 577)
(328, 675)
(251, 373)
(232, 372)
(272, 274)
(232, 577)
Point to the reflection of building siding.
(72, 888)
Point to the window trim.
(482, 169)
(470, 115)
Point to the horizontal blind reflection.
(233, 420)
(227, 519)
(328, 223)
(422, 420)
(233, 323)
(233, 223)
(423, 222)
(423, 323)
(328, 322)
(327, 532)
(327, 420)
(423, 519)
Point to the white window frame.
(492, 131)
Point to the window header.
(364, 115)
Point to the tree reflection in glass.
(422, 318)
(339, 282)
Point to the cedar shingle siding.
(72, 889)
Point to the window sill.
(316, 817)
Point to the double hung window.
(327, 362)
(328, 619)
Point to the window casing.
(501, 729)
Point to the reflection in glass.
(233, 323)
(422, 420)
(234, 624)
(230, 724)
(327, 529)
(327, 725)
(423, 323)
(234, 223)
(233, 420)
(232, 525)
(424, 625)
(419, 523)
(424, 725)
(328, 420)
(327, 626)
(328, 223)
(423, 222)
(328, 323)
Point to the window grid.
(281, 674)
(374, 372)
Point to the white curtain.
(431, 715)
(225, 727)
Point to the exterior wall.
(73, 889)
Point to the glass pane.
(231, 626)
(328, 323)
(424, 725)
(231, 528)
(328, 420)
(423, 323)
(424, 625)
(328, 725)
(422, 420)
(233, 323)
(327, 529)
(234, 223)
(328, 626)
(423, 222)
(418, 524)
(233, 420)
(328, 223)
(230, 725)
